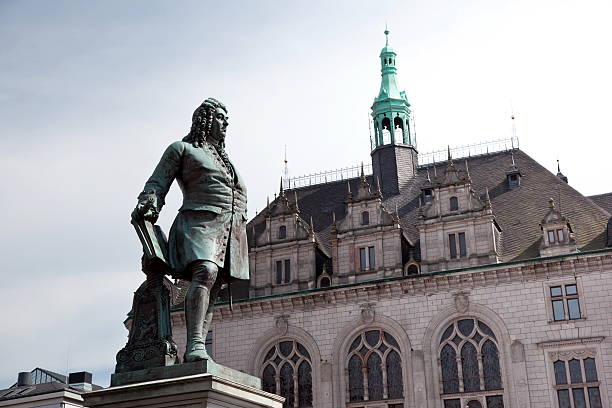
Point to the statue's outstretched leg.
(198, 305)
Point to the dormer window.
(282, 232)
(365, 218)
(555, 236)
(514, 180)
(454, 204)
(427, 195)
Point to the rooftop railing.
(425, 159)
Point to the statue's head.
(209, 122)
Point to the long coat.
(212, 219)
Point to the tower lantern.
(391, 110)
(394, 155)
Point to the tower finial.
(386, 35)
(558, 167)
(297, 207)
(450, 158)
(281, 192)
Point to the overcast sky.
(92, 92)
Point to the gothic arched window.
(375, 368)
(282, 232)
(287, 371)
(469, 364)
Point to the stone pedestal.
(192, 391)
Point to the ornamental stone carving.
(282, 324)
(462, 301)
(368, 314)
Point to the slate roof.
(518, 211)
(604, 201)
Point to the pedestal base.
(193, 391)
(183, 370)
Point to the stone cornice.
(424, 284)
(570, 342)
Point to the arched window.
(411, 269)
(386, 131)
(469, 364)
(282, 232)
(365, 218)
(287, 371)
(454, 204)
(398, 129)
(375, 368)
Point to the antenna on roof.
(286, 169)
(512, 117)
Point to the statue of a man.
(207, 242)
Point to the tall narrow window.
(454, 204)
(282, 232)
(283, 271)
(287, 271)
(279, 272)
(367, 258)
(287, 371)
(551, 236)
(365, 218)
(363, 259)
(462, 248)
(457, 245)
(375, 368)
(452, 246)
(470, 369)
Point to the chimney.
(24, 378)
(80, 380)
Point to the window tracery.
(287, 371)
(375, 368)
(469, 366)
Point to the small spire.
(281, 192)
(362, 173)
(514, 164)
(268, 202)
(297, 207)
(551, 203)
(558, 166)
(349, 193)
(311, 224)
(428, 178)
(450, 158)
(467, 170)
(378, 189)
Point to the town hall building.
(481, 280)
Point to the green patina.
(391, 109)
(425, 275)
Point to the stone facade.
(513, 299)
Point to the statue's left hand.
(146, 209)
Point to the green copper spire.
(391, 110)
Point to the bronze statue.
(207, 243)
